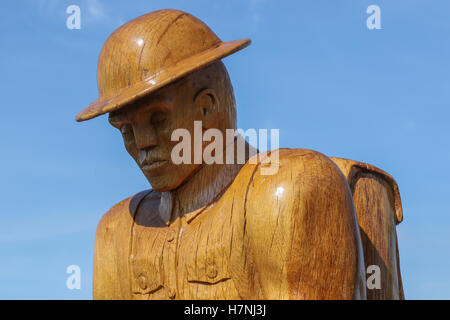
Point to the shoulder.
(110, 250)
(301, 221)
(306, 185)
(295, 169)
(307, 161)
(121, 213)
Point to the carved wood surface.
(378, 208)
(151, 52)
(227, 231)
(292, 235)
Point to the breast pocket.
(208, 266)
(145, 283)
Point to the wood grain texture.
(227, 231)
(150, 52)
(254, 242)
(378, 207)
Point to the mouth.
(154, 165)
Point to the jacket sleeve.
(302, 230)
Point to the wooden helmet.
(150, 52)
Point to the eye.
(159, 118)
(127, 133)
(117, 123)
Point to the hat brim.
(161, 79)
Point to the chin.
(164, 182)
(169, 181)
(160, 184)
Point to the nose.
(144, 135)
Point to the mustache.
(149, 156)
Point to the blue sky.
(314, 71)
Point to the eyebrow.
(119, 116)
(116, 118)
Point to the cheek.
(132, 150)
(164, 135)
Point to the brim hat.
(151, 52)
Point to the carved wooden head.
(148, 123)
(158, 73)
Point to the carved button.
(171, 235)
(211, 271)
(142, 281)
(172, 293)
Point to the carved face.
(147, 126)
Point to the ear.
(208, 105)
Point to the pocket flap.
(209, 272)
(143, 284)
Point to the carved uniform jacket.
(292, 235)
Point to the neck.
(203, 188)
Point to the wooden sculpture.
(226, 231)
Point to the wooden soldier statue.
(226, 230)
